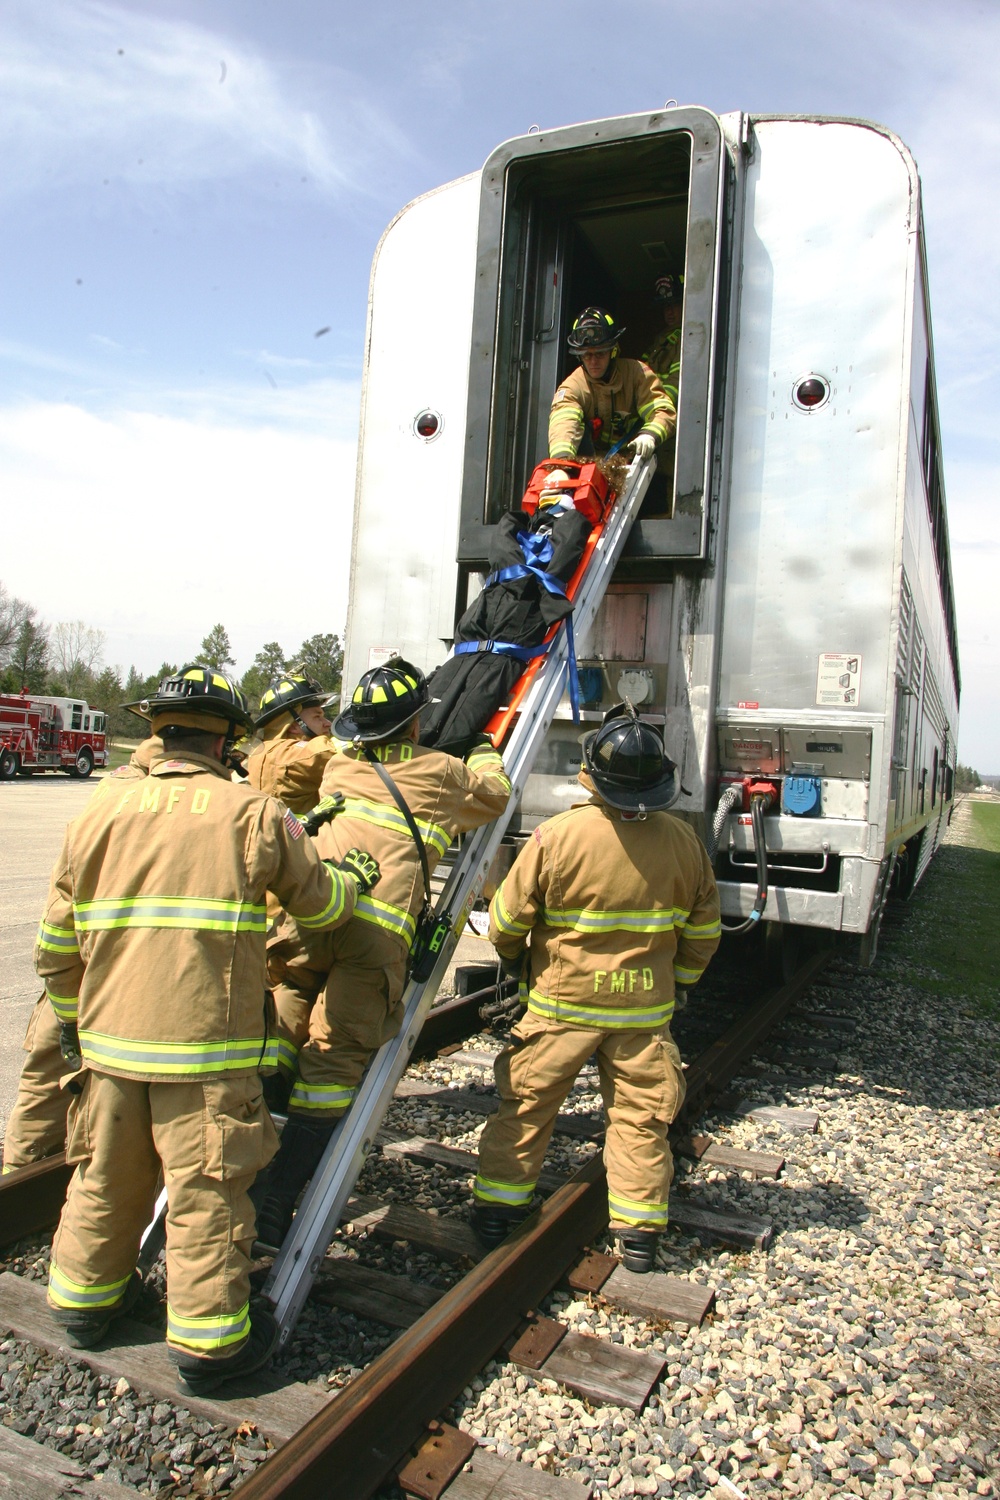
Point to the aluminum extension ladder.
(322, 1208)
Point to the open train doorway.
(595, 224)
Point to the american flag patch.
(293, 825)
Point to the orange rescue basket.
(594, 498)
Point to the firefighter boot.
(85, 1329)
(199, 1376)
(493, 1222)
(302, 1145)
(638, 1248)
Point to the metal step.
(301, 1256)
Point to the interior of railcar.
(583, 228)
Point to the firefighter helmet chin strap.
(307, 733)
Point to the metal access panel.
(844, 753)
(827, 248)
(567, 218)
(752, 749)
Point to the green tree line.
(66, 660)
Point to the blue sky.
(193, 190)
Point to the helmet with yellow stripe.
(287, 694)
(384, 701)
(197, 697)
(593, 331)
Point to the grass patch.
(986, 822)
(950, 945)
(120, 753)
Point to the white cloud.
(91, 91)
(154, 527)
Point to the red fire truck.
(50, 734)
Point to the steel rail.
(31, 1198)
(347, 1450)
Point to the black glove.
(69, 1044)
(513, 967)
(325, 809)
(361, 866)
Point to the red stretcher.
(594, 497)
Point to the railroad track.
(350, 1444)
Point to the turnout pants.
(298, 963)
(643, 1089)
(212, 1139)
(358, 1011)
(37, 1124)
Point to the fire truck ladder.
(323, 1205)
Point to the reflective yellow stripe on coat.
(607, 1018)
(124, 1055)
(433, 835)
(197, 913)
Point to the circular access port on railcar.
(427, 425)
(810, 392)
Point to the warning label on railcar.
(838, 681)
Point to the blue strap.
(537, 551)
(633, 430)
(501, 648)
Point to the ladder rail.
(326, 1198)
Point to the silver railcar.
(785, 604)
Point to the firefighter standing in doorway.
(603, 401)
(36, 1127)
(366, 960)
(664, 354)
(152, 952)
(618, 903)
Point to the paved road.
(33, 815)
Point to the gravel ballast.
(857, 1356)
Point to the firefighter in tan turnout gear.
(37, 1124)
(289, 764)
(152, 952)
(296, 743)
(367, 959)
(608, 397)
(618, 904)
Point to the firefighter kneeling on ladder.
(619, 904)
(383, 770)
(152, 952)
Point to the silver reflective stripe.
(321, 1096)
(66, 1293)
(615, 921)
(57, 939)
(394, 918)
(516, 1194)
(433, 835)
(613, 1018)
(198, 914)
(621, 1210)
(503, 918)
(170, 1057)
(213, 1332)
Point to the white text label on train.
(838, 680)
